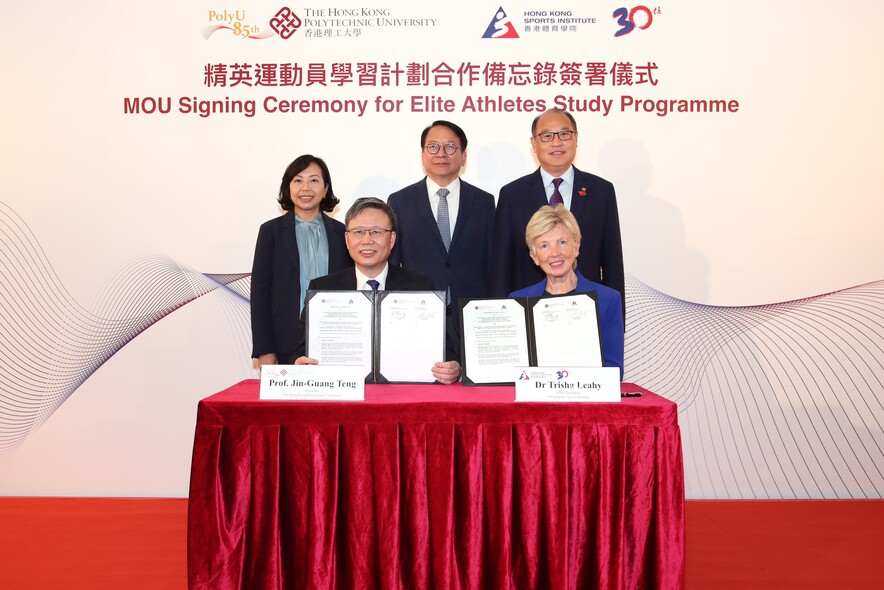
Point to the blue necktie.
(373, 284)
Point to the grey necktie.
(442, 217)
(555, 198)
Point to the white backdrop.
(115, 226)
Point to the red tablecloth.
(431, 486)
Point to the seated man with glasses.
(445, 223)
(370, 237)
(557, 182)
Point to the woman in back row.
(292, 249)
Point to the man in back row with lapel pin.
(557, 183)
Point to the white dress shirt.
(565, 189)
(453, 199)
(362, 280)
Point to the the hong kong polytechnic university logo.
(284, 23)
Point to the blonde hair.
(546, 218)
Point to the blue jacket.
(610, 316)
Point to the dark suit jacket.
(601, 253)
(276, 283)
(465, 267)
(398, 279)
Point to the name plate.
(558, 384)
(312, 383)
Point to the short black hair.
(363, 203)
(461, 136)
(552, 110)
(329, 202)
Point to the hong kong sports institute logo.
(500, 27)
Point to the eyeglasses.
(374, 232)
(547, 136)
(433, 148)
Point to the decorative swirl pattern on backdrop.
(49, 344)
(776, 401)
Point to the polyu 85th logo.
(639, 17)
(284, 23)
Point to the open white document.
(411, 335)
(495, 339)
(566, 331)
(498, 335)
(339, 328)
(395, 336)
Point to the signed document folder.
(555, 330)
(395, 336)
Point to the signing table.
(432, 486)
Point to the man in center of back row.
(445, 223)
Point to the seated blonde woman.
(553, 239)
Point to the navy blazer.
(465, 267)
(398, 279)
(276, 283)
(601, 253)
(610, 316)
